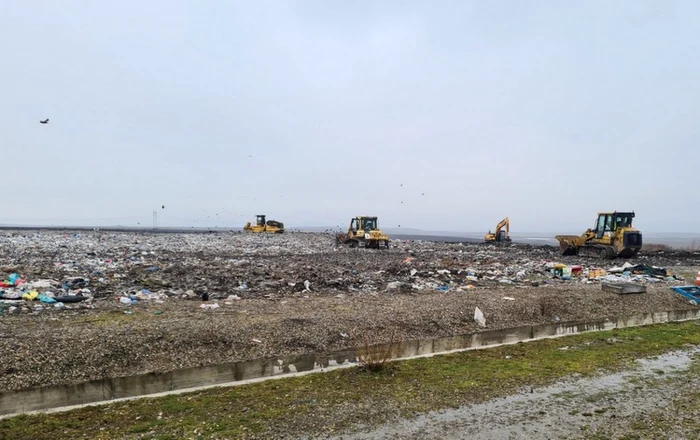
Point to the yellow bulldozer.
(270, 226)
(363, 231)
(612, 236)
(500, 235)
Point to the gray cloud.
(543, 111)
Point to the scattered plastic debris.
(393, 285)
(209, 306)
(479, 317)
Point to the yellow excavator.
(270, 226)
(612, 236)
(500, 234)
(363, 231)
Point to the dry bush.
(374, 357)
(653, 247)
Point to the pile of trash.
(628, 272)
(18, 294)
(128, 269)
(142, 295)
(525, 273)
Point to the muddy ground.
(605, 406)
(277, 295)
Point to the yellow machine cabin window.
(623, 220)
(370, 224)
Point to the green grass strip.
(336, 401)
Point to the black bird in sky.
(45, 121)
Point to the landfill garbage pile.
(64, 270)
(103, 304)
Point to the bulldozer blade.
(566, 249)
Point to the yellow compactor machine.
(363, 231)
(612, 236)
(270, 226)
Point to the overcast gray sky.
(315, 111)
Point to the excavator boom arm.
(503, 223)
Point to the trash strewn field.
(89, 305)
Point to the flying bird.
(45, 121)
(163, 206)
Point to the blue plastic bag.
(46, 299)
(13, 278)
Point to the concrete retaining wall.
(108, 389)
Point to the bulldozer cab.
(354, 225)
(612, 236)
(260, 220)
(364, 224)
(364, 231)
(370, 223)
(609, 222)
